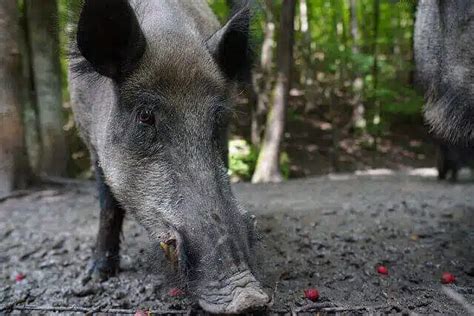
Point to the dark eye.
(146, 117)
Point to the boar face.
(161, 135)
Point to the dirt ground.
(327, 232)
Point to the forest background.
(345, 66)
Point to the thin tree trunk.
(30, 111)
(358, 114)
(307, 52)
(375, 70)
(343, 66)
(374, 43)
(354, 26)
(44, 47)
(262, 82)
(411, 75)
(268, 165)
(335, 110)
(14, 171)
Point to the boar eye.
(146, 117)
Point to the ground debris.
(178, 310)
(458, 298)
(49, 236)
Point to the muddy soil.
(328, 232)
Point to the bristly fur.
(450, 116)
(168, 170)
(444, 67)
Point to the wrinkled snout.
(237, 294)
(210, 241)
(216, 266)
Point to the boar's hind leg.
(106, 260)
(454, 174)
(442, 163)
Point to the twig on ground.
(458, 298)
(77, 309)
(96, 309)
(293, 310)
(330, 307)
(275, 289)
(315, 307)
(312, 307)
(62, 181)
(15, 194)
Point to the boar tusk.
(170, 252)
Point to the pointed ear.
(109, 37)
(230, 46)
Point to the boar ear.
(109, 37)
(230, 46)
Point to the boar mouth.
(237, 294)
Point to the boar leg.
(443, 163)
(106, 258)
(454, 174)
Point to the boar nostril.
(216, 217)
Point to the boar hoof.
(100, 269)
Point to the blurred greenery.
(242, 159)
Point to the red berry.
(20, 277)
(382, 270)
(141, 313)
(311, 294)
(175, 292)
(448, 278)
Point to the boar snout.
(216, 264)
(237, 294)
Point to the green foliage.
(293, 114)
(242, 159)
(403, 101)
(285, 165)
(220, 8)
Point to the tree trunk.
(375, 71)
(14, 171)
(354, 26)
(30, 111)
(44, 47)
(337, 104)
(358, 114)
(308, 70)
(411, 75)
(262, 82)
(268, 165)
(376, 10)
